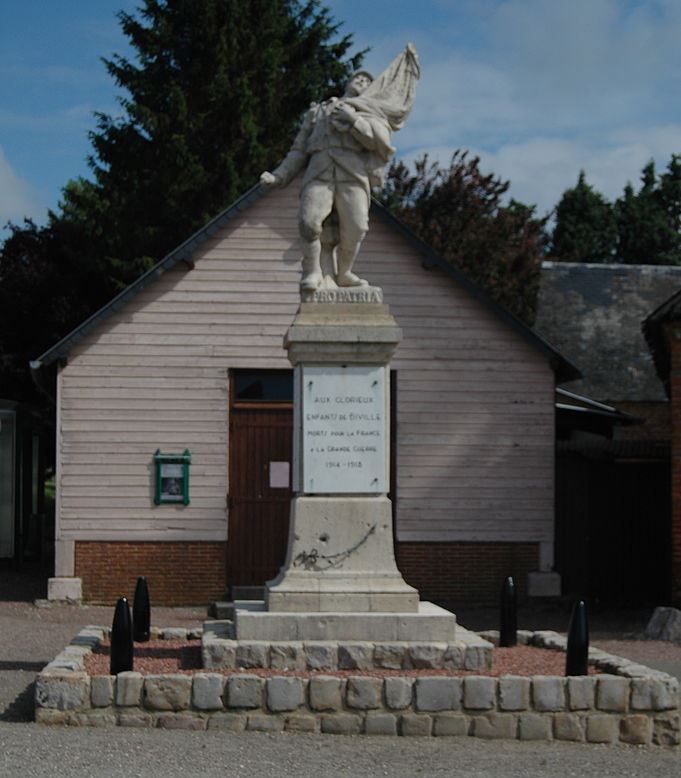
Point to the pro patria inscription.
(344, 440)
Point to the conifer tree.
(586, 229)
(211, 99)
(649, 221)
(640, 228)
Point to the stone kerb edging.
(219, 650)
(637, 707)
(607, 663)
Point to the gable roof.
(563, 368)
(593, 314)
(653, 331)
(183, 253)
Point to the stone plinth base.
(340, 559)
(220, 649)
(429, 623)
(634, 704)
(69, 589)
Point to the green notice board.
(172, 477)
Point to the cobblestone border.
(633, 705)
(607, 663)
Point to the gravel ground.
(177, 656)
(30, 637)
(42, 752)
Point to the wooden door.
(629, 544)
(261, 440)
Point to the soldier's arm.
(296, 159)
(373, 134)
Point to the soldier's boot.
(312, 271)
(346, 259)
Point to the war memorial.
(340, 559)
(339, 603)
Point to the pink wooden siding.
(475, 401)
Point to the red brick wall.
(177, 573)
(466, 572)
(194, 573)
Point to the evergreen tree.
(641, 222)
(459, 212)
(585, 229)
(641, 228)
(44, 293)
(649, 221)
(211, 101)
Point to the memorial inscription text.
(344, 430)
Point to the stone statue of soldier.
(343, 145)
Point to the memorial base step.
(221, 650)
(248, 593)
(226, 609)
(429, 623)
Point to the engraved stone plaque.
(344, 439)
(350, 294)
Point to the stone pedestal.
(340, 580)
(340, 559)
(69, 589)
(340, 555)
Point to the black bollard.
(508, 626)
(121, 638)
(141, 612)
(577, 659)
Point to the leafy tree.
(586, 229)
(459, 211)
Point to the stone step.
(248, 592)
(429, 623)
(225, 610)
(221, 649)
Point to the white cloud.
(17, 200)
(551, 67)
(550, 88)
(587, 61)
(538, 88)
(541, 168)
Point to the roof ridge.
(550, 264)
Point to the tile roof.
(593, 315)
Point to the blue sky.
(538, 88)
